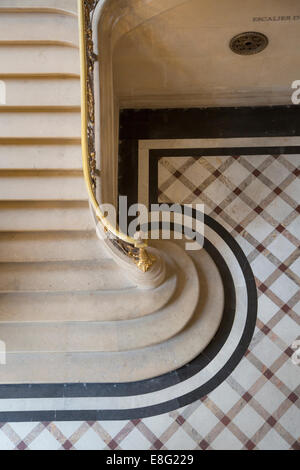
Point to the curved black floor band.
(166, 380)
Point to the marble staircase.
(68, 312)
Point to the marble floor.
(257, 407)
(250, 191)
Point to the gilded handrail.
(132, 248)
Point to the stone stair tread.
(62, 276)
(42, 186)
(64, 5)
(101, 336)
(40, 124)
(45, 216)
(50, 246)
(65, 27)
(68, 313)
(134, 365)
(40, 157)
(97, 305)
(43, 91)
(39, 59)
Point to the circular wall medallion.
(248, 43)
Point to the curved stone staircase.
(68, 312)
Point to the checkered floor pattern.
(257, 407)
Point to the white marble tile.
(295, 267)
(276, 172)
(281, 247)
(238, 210)
(112, 427)
(5, 442)
(244, 244)
(90, 441)
(246, 374)
(262, 268)
(266, 308)
(289, 374)
(67, 428)
(197, 173)
(291, 421)
(135, 441)
(287, 330)
(180, 441)
(203, 420)
(294, 227)
(226, 440)
(293, 190)
(257, 190)
(158, 424)
(279, 209)
(267, 351)
(284, 288)
(23, 429)
(248, 421)
(225, 397)
(236, 173)
(177, 192)
(273, 441)
(45, 441)
(217, 191)
(259, 229)
(270, 397)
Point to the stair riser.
(133, 365)
(97, 306)
(39, 26)
(42, 92)
(61, 277)
(42, 188)
(45, 219)
(39, 59)
(40, 125)
(42, 157)
(39, 246)
(67, 5)
(106, 336)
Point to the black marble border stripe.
(93, 415)
(196, 123)
(145, 386)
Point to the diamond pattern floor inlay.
(255, 198)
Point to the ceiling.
(182, 57)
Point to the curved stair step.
(62, 276)
(98, 306)
(24, 247)
(112, 335)
(134, 365)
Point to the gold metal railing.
(135, 250)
